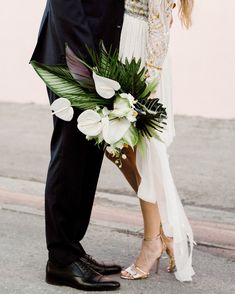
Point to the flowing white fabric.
(157, 185)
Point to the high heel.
(168, 241)
(157, 265)
(171, 266)
(135, 272)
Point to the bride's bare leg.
(128, 167)
(151, 219)
(149, 210)
(151, 247)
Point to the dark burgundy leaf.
(78, 70)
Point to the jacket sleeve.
(71, 24)
(158, 35)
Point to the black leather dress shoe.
(78, 275)
(102, 268)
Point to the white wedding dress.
(145, 35)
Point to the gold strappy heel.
(169, 250)
(135, 272)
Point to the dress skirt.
(157, 184)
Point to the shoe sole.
(51, 280)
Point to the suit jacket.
(78, 23)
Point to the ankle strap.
(153, 238)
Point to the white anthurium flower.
(62, 108)
(90, 123)
(105, 87)
(129, 97)
(114, 129)
(121, 107)
(131, 137)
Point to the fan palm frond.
(151, 117)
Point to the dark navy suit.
(75, 163)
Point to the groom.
(75, 162)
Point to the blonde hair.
(185, 12)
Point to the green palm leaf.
(131, 77)
(61, 82)
(58, 79)
(105, 63)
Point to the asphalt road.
(202, 160)
(23, 258)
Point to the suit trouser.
(70, 188)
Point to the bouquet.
(113, 96)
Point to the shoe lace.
(91, 259)
(84, 267)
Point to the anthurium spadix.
(62, 108)
(105, 87)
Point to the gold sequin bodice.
(158, 15)
(138, 8)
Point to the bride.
(145, 35)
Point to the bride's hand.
(128, 151)
(172, 19)
(152, 75)
(128, 166)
